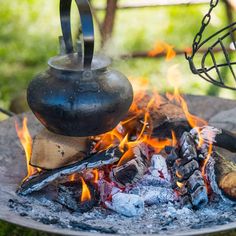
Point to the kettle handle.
(87, 28)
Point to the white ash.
(126, 204)
(164, 218)
(207, 133)
(150, 180)
(141, 148)
(159, 168)
(155, 195)
(158, 174)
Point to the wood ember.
(69, 195)
(186, 173)
(159, 169)
(107, 190)
(41, 180)
(52, 151)
(132, 171)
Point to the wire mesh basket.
(217, 64)
(214, 59)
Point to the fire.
(26, 142)
(162, 47)
(86, 195)
(210, 149)
(96, 176)
(180, 185)
(72, 178)
(174, 80)
(174, 139)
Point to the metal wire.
(8, 113)
(209, 67)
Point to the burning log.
(219, 137)
(162, 113)
(186, 172)
(132, 171)
(223, 175)
(41, 180)
(52, 151)
(74, 196)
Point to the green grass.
(28, 37)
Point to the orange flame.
(85, 196)
(96, 175)
(26, 142)
(210, 149)
(174, 80)
(72, 178)
(180, 185)
(162, 47)
(174, 139)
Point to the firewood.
(43, 179)
(219, 137)
(164, 116)
(225, 172)
(69, 195)
(186, 173)
(132, 171)
(52, 151)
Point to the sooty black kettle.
(79, 95)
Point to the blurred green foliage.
(28, 37)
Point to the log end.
(228, 185)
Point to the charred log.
(219, 137)
(132, 171)
(165, 129)
(41, 180)
(163, 114)
(186, 174)
(69, 195)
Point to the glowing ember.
(26, 142)
(96, 176)
(180, 185)
(85, 196)
(72, 177)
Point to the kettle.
(79, 95)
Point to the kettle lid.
(73, 62)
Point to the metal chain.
(205, 22)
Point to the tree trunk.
(109, 20)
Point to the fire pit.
(139, 202)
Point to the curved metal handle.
(87, 28)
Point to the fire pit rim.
(49, 229)
(7, 216)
